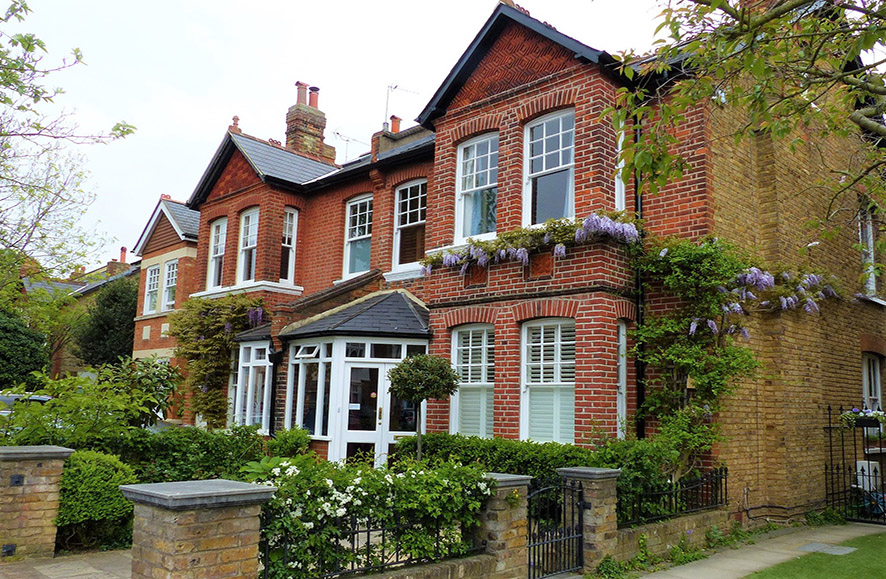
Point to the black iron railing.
(363, 547)
(671, 500)
(556, 521)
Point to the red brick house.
(514, 137)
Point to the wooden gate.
(555, 517)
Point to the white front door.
(373, 418)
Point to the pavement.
(767, 551)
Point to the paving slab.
(98, 565)
(767, 552)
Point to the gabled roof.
(134, 268)
(388, 313)
(186, 222)
(271, 164)
(483, 42)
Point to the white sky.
(179, 70)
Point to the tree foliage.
(798, 69)
(108, 329)
(42, 195)
(22, 351)
(204, 330)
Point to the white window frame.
(152, 290)
(486, 334)
(288, 243)
(218, 233)
(170, 281)
(867, 240)
(620, 189)
(562, 387)
(419, 214)
(621, 402)
(354, 233)
(530, 176)
(245, 395)
(463, 175)
(872, 392)
(302, 355)
(248, 245)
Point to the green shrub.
(290, 442)
(92, 511)
(189, 453)
(609, 568)
(825, 517)
(316, 501)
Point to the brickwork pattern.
(660, 537)
(195, 544)
(28, 510)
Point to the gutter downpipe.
(640, 299)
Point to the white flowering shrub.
(308, 528)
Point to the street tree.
(108, 328)
(42, 194)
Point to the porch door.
(374, 418)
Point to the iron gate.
(555, 514)
(854, 486)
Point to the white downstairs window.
(252, 398)
(473, 356)
(548, 401)
(871, 381)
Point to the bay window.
(549, 162)
(477, 188)
(310, 378)
(548, 404)
(252, 398)
(248, 242)
(218, 232)
(473, 356)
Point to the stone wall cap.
(588, 473)
(41, 452)
(504, 481)
(198, 494)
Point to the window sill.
(153, 316)
(413, 272)
(251, 286)
(873, 300)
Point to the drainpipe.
(276, 359)
(640, 298)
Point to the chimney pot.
(122, 255)
(302, 92)
(395, 123)
(314, 96)
(165, 196)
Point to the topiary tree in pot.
(419, 378)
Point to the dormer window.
(248, 242)
(477, 188)
(548, 192)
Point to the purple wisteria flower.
(559, 250)
(663, 252)
(811, 306)
(450, 260)
(426, 270)
(464, 267)
(784, 302)
(483, 259)
(547, 237)
(523, 255)
(712, 325)
(255, 316)
(693, 326)
(745, 334)
(580, 235)
(228, 327)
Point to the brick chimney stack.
(395, 123)
(305, 125)
(122, 255)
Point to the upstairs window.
(871, 382)
(477, 187)
(218, 232)
(248, 242)
(867, 236)
(549, 168)
(409, 226)
(473, 355)
(358, 236)
(152, 289)
(170, 281)
(287, 251)
(620, 193)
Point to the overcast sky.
(179, 70)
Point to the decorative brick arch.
(411, 174)
(547, 103)
(475, 126)
(874, 344)
(472, 315)
(626, 309)
(545, 309)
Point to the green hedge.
(92, 511)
